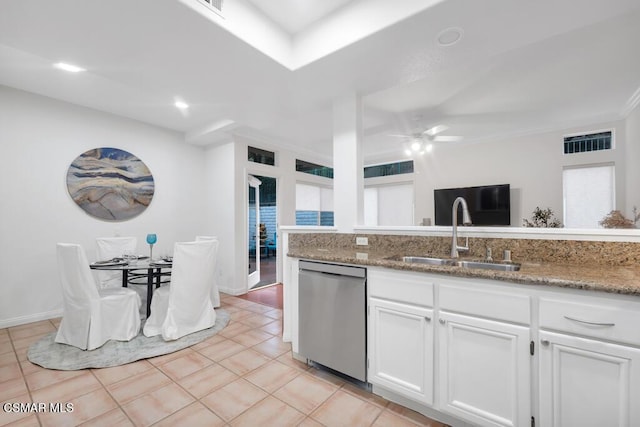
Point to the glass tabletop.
(123, 265)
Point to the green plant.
(542, 218)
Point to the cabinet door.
(585, 382)
(401, 349)
(484, 370)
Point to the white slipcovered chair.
(184, 306)
(92, 316)
(113, 247)
(215, 292)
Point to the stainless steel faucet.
(466, 220)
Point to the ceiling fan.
(420, 142)
(431, 134)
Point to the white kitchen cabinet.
(401, 348)
(459, 349)
(589, 362)
(484, 375)
(588, 383)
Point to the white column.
(348, 173)
(632, 162)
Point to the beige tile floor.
(244, 376)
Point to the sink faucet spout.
(466, 220)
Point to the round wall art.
(111, 184)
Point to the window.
(389, 169)
(314, 205)
(313, 169)
(589, 195)
(589, 142)
(265, 157)
(215, 4)
(388, 205)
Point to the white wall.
(348, 171)
(633, 162)
(40, 137)
(531, 164)
(227, 169)
(220, 214)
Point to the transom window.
(258, 155)
(313, 169)
(387, 169)
(588, 142)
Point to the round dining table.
(130, 272)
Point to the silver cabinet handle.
(442, 321)
(427, 318)
(589, 323)
(544, 342)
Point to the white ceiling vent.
(215, 5)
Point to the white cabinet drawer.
(402, 286)
(614, 320)
(488, 303)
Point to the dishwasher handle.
(322, 272)
(334, 269)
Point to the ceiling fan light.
(429, 148)
(436, 130)
(407, 152)
(416, 145)
(69, 67)
(448, 138)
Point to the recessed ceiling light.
(450, 36)
(181, 105)
(69, 67)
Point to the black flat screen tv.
(488, 204)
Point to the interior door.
(253, 230)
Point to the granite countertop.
(614, 279)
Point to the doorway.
(262, 231)
(253, 221)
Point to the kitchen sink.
(483, 265)
(429, 260)
(489, 265)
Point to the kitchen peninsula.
(590, 265)
(494, 348)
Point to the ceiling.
(294, 16)
(520, 66)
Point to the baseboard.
(257, 288)
(418, 407)
(231, 291)
(16, 321)
(299, 358)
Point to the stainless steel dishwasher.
(332, 317)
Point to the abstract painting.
(110, 184)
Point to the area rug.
(52, 355)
